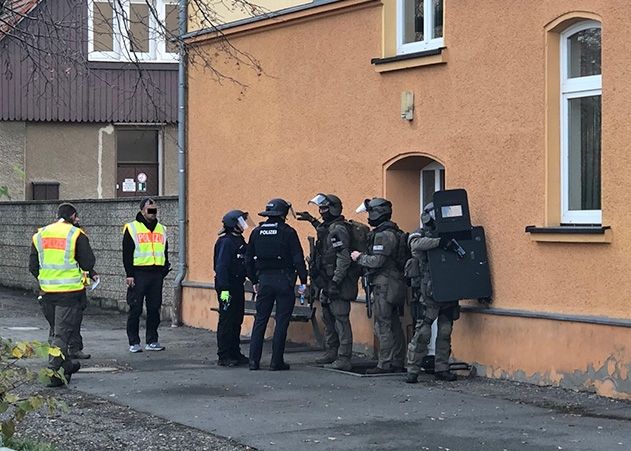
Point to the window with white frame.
(132, 30)
(419, 25)
(581, 107)
(432, 179)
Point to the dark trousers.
(272, 288)
(67, 313)
(229, 327)
(75, 343)
(148, 289)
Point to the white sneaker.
(135, 348)
(155, 346)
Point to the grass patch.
(27, 444)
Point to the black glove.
(334, 291)
(305, 216)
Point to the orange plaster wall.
(321, 119)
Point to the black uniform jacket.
(293, 257)
(229, 261)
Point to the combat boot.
(328, 357)
(411, 378)
(342, 363)
(445, 376)
(79, 355)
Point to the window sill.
(410, 60)
(570, 234)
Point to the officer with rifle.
(333, 272)
(387, 287)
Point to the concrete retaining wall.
(102, 220)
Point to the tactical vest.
(417, 271)
(59, 271)
(270, 250)
(149, 246)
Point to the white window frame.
(573, 88)
(428, 24)
(121, 44)
(436, 168)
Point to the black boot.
(411, 378)
(445, 376)
(279, 366)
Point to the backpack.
(359, 235)
(403, 250)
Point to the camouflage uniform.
(388, 294)
(339, 287)
(417, 270)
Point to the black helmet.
(276, 207)
(379, 209)
(231, 219)
(330, 202)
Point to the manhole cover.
(98, 369)
(23, 328)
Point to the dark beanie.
(65, 211)
(145, 201)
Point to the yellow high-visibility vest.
(59, 271)
(149, 246)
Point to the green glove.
(224, 296)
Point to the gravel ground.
(97, 424)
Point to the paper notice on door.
(129, 185)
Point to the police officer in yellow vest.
(60, 254)
(146, 261)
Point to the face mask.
(152, 211)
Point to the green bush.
(13, 406)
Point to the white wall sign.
(142, 177)
(129, 185)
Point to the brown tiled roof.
(12, 12)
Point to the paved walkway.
(309, 407)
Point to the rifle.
(312, 290)
(367, 290)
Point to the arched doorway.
(410, 181)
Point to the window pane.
(438, 19)
(139, 146)
(429, 186)
(139, 27)
(103, 27)
(413, 27)
(171, 15)
(584, 153)
(584, 53)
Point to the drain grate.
(99, 369)
(359, 369)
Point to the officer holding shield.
(417, 270)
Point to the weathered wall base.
(590, 357)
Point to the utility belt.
(275, 271)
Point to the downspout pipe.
(176, 314)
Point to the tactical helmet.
(378, 208)
(276, 207)
(231, 219)
(429, 215)
(330, 201)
